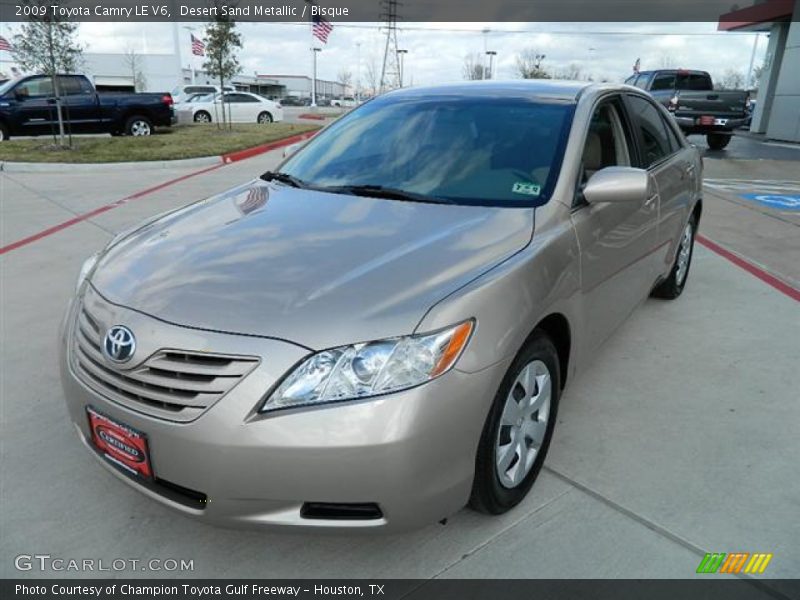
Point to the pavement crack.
(499, 533)
(60, 205)
(660, 530)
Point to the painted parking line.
(751, 268)
(226, 160)
(102, 209)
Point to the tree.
(529, 65)
(573, 72)
(222, 43)
(372, 75)
(345, 78)
(731, 80)
(133, 62)
(474, 68)
(47, 45)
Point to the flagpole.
(314, 51)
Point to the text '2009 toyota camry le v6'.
(378, 332)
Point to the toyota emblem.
(119, 344)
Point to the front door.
(617, 239)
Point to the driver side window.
(606, 144)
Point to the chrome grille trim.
(170, 384)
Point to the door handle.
(688, 171)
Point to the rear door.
(670, 161)
(243, 107)
(617, 239)
(80, 105)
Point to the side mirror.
(19, 96)
(617, 184)
(291, 149)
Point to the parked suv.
(697, 107)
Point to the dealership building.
(777, 112)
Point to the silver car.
(379, 331)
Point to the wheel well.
(556, 327)
(698, 210)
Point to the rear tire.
(717, 141)
(138, 126)
(521, 421)
(202, 117)
(673, 285)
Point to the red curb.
(312, 116)
(226, 158)
(233, 157)
(754, 270)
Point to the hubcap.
(523, 424)
(201, 118)
(684, 253)
(140, 128)
(264, 119)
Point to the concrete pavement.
(678, 440)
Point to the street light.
(314, 79)
(491, 54)
(401, 60)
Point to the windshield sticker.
(529, 189)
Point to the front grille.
(175, 385)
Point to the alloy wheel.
(139, 128)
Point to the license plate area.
(120, 444)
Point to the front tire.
(673, 285)
(717, 141)
(518, 430)
(4, 133)
(264, 118)
(138, 126)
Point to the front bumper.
(412, 453)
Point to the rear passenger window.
(655, 140)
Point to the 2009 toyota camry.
(378, 332)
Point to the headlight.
(370, 369)
(86, 270)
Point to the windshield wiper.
(379, 191)
(283, 178)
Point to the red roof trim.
(772, 10)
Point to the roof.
(540, 88)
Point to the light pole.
(401, 59)
(358, 72)
(485, 33)
(491, 54)
(314, 78)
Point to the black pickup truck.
(697, 107)
(28, 107)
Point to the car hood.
(314, 268)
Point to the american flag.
(321, 29)
(637, 65)
(4, 44)
(255, 199)
(198, 47)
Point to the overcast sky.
(436, 51)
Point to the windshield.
(487, 150)
(7, 86)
